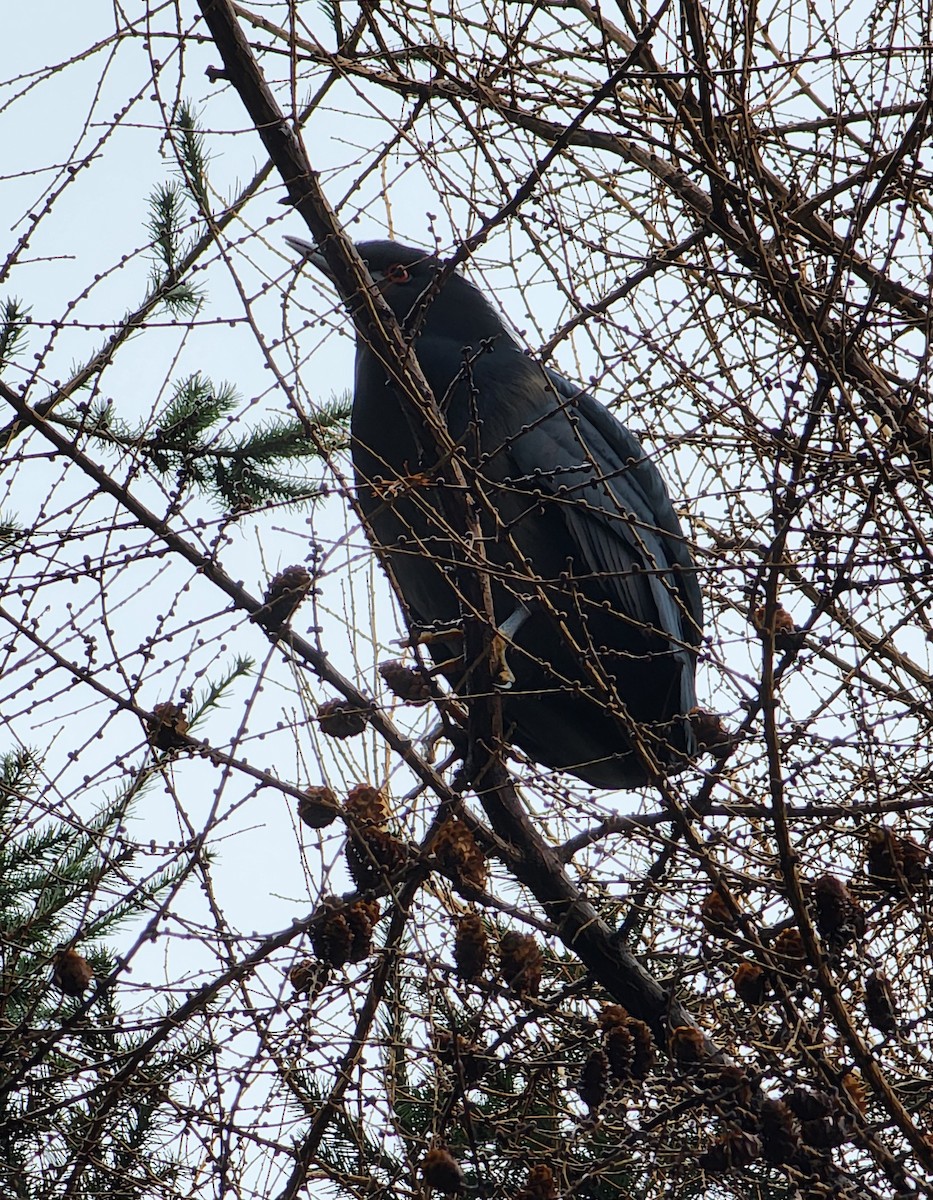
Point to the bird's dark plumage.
(613, 627)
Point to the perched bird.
(594, 589)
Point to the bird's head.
(407, 277)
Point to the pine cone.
(373, 857)
(631, 1052)
(782, 627)
(751, 983)
(332, 938)
(839, 916)
(711, 734)
(471, 947)
(520, 963)
(880, 1007)
(687, 1044)
(822, 1123)
(456, 850)
(716, 914)
(317, 808)
(643, 1041)
(71, 973)
(341, 718)
(826, 1133)
(594, 1080)
(789, 950)
(912, 859)
(612, 1015)
(305, 974)
(467, 1058)
(620, 1049)
(780, 1132)
(895, 863)
(539, 1185)
(365, 806)
(167, 727)
(856, 1090)
(728, 1089)
(809, 1105)
(283, 595)
(407, 683)
(442, 1172)
(736, 1149)
(361, 917)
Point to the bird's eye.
(396, 273)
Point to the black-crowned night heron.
(594, 588)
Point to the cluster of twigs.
(507, 984)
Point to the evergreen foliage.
(197, 447)
(65, 885)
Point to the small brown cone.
(283, 596)
(822, 1122)
(782, 626)
(520, 963)
(687, 1044)
(373, 857)
(643, 1042)
(456, 850)
(366, 805)
(611, 1015)
(317, 808)
(789, 951)
(728, 1089)
(467, 1058)
(71, 972)
(471, 947)
(780, 1132)
(856, 1090)
(620, 1050)
(539, 1185)
(168, 726)
(751, 983)
(879, 1003)
(407, 683)
(594, 1080)
(629, 1043)
(332, 938)
(716, 913)
(809, 1105)
(839, 916)
(442, 1172)
(305, 974)
(895, 863)
(361, 917)
(736, 1149)
(341, 718)
(711, 734)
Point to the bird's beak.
(309, 252)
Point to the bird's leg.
(434, 636)
(502, 675)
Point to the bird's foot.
(503, 677)
(428, 637)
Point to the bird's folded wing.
(617, 510)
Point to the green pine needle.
(196, 405)
(14, 319)
(215, 691)
(194, 160)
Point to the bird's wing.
(617, 509)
